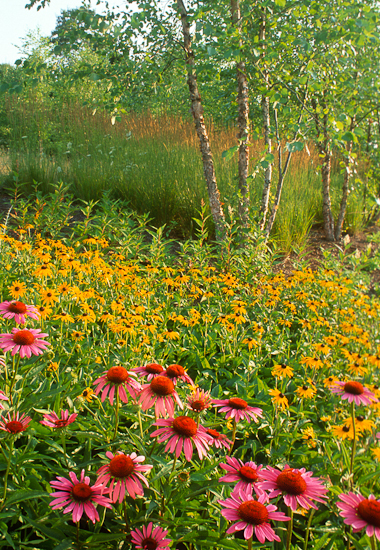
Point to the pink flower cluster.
(297, 486)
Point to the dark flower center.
(117, 375)
(237, 403)
(248, 474)
(23, 338)
(17, 307)
(198, 405)
(253, 512)
(291, 482)
(15, 427)
(184, 425)
(154, 368)
(60, 423)
(121, 466)
(355, 388)
(81, 492)
(174, 371)
(149, 544)
(346, 428)
(305, 388)
(281, 395)
(360, 418)
(369, 511)
(162, 385)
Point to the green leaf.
(295, 146)
(20, 496)
(320, 544)
(349, 136)
(357, 544)
(94, 77)
(227, 155)
(281, 3)
(64, 545)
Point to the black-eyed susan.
(344, 431)
(322, 348)
(44, 311)
(376, 452)
(17, 289)
(63, 289)
(170, 335)
(362, 424)
(53, 366)
(64, 317)
(282, 371)
(307, 391)
(49, 296)
(357, 368)
(308, 435)
(77, 335)
(330, 381)
(251, 342)
(44, 270)
(312, 362)
(279, 399)
(87, 394)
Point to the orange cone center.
(248, 474)
(174, 370)
(81, 492)
(253, 512)
(162, 385)
(117, 375)
(184, 425)
(154, 368)
(17, 307)
(355, 388)
(121, 466)
(237, 403)
(15, 427)
(291, 482)
(369, 511)
(23, 338)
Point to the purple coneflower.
(182, 432)
(151, 370)
(354, 391)
(246, 474)
(53, 421)
(26, 342)
(251, 515)
(15, 423)
(298, 486)
(79, 496)
(199, 400)
(160, 393)
(176, 372)
(237, 409)
(361, 512)
(218, 439)
(125, 472)
(18, 311)
(150, 539)
(117, 379)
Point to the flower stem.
(15, 369)
(233, 438)
(8, 460)
(63, 439)
(308, 528)
(250, 543)
(128, 529)
(140, 423)
(290, 530)
(78, 544)
(353, 445)
(372, 541)
(116, 413)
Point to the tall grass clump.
(152, 162)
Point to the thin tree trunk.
(265, 109)
(325, 154)
(197, 111)
(243, 125)
(346, 179)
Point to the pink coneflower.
(15, 423)
(18, 311)
(26, 342)
(3, 397)
(79, 496)
(53, 421)
(176, 372)
(238, 408)
(199, 400)
(117, 379)
(218, 439)
(182, 432)
(354, 391)
(246, 474)
(151, 370)
(125, 472)
(251, 515)
(160, 393)
(361, 513)
(150, 539)
(298, 487)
